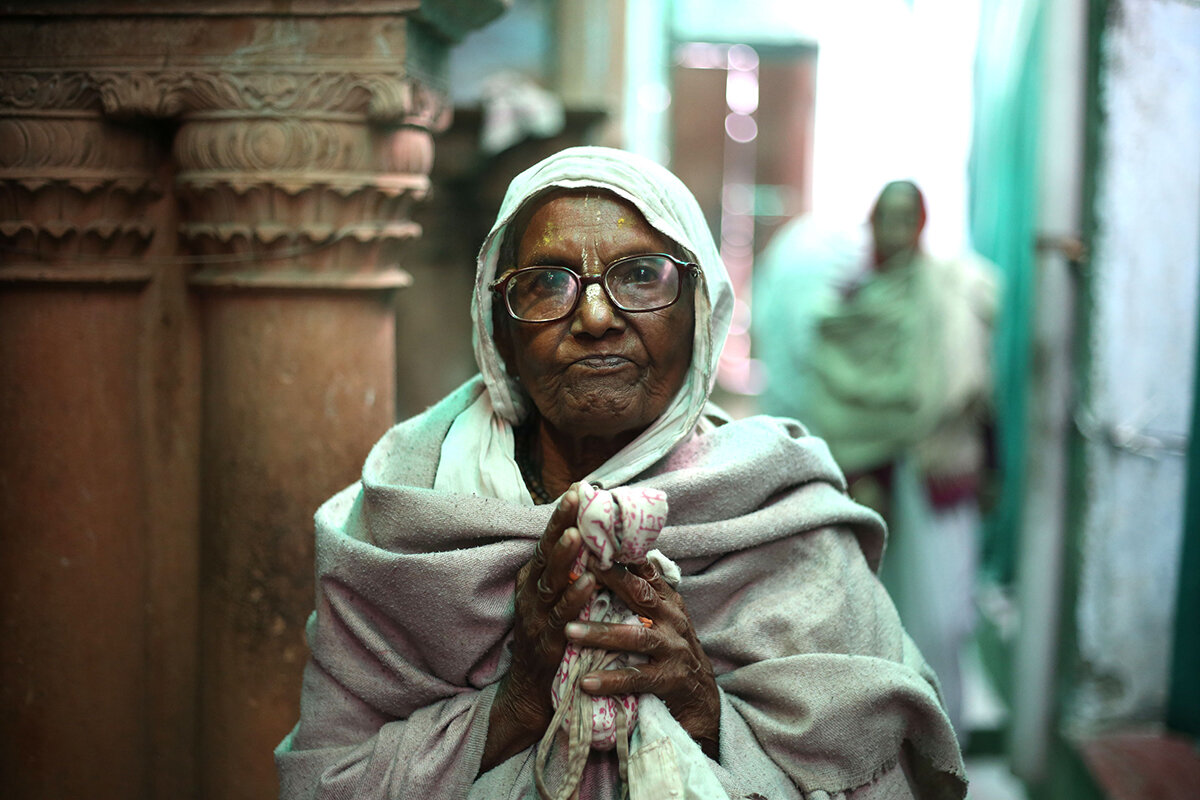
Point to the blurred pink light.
(741, 91)
(741, 128)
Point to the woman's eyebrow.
(544, 259)
(547, 260)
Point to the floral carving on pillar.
(312, 174)
(73, 186)
(291, 177)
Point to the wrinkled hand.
(547, 598)
(678, 671)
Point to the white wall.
(894, 101)
(1146, 266)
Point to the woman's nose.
(595, 315)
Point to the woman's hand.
(678, 670)
(547, 598)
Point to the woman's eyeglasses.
(646, 282)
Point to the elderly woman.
(771, 663)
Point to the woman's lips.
(606, 363)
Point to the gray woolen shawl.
(822, 692)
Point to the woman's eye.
(640, 272)
(551, 281)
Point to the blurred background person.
(883, 350)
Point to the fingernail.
(575, 629)
(590, 684)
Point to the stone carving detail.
(143, 94)
(271, 143)
(46, 91)
(70, 146)
(73, 190)
(380, 97)
(408, 150)
(295, 194)
(284, 170)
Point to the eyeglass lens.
(642, 283)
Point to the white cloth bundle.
(618, 526)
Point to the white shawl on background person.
(904, 362)
(876, 362)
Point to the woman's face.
(600, 371)
(897, 222)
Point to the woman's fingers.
(548, 573)
(566, 511)
(646, 594)
(678, 671)
(556, 574)
(561, 519)
(634, 590)
(551, 639)
(618, 636)
(549, 595)
(677, 668)
(627, 680)
(570, 604)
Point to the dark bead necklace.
(531, 474)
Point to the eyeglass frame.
(499, 285)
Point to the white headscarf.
(477, 455)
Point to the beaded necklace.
(531, 474)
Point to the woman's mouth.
(604, 363)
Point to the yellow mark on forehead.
(620, 221)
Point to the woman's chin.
(600, 416)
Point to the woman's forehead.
(579, 218)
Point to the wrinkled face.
(599, 371)
(897, 221)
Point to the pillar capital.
(75, 188)
(301, 140)
(382, 97)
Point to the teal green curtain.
(1183, 701)
(1003, 215)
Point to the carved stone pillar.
(79, 610)
(296, 190)
(203, 209)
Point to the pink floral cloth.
(617, 526)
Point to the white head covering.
(477, 455)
